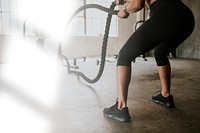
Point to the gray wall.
(191, 47)
(91, 46)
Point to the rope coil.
(110, 12)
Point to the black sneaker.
(167, 101)
(119, 115)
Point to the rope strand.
(110, 12)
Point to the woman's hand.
(123, 13)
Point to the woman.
(171, 22)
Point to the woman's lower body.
(170, 24)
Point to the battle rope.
(110, 12)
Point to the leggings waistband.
(154, 4)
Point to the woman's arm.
(133, 6)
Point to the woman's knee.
(124, 58)
(161, 58)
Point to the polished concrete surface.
(76, 106)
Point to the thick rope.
(110, 12)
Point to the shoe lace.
(158, 91)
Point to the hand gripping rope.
(110, 12)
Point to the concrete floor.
(78, 106)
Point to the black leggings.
(171, 22)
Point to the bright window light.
(32, 70)
(93, 21)
(29, 86)
(49, 16)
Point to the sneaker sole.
(165, 104)
(117, 118)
